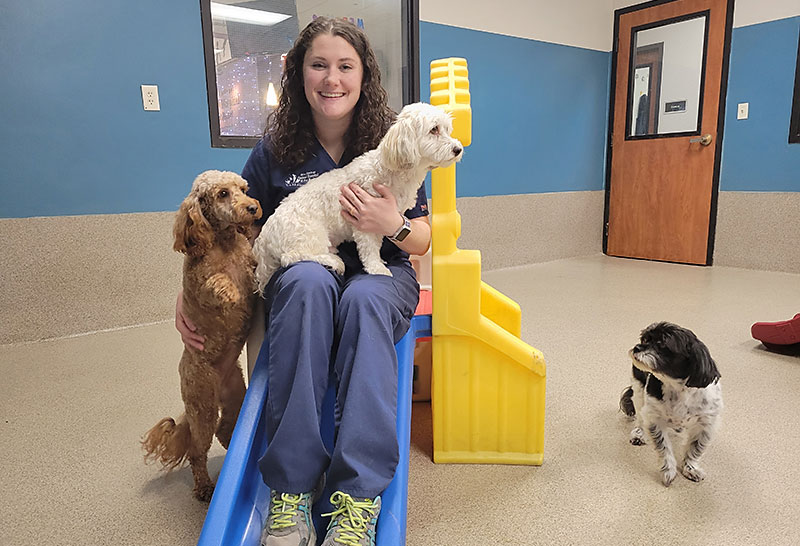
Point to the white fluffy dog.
(308, 226)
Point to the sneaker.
(352, 521)
(289, 522)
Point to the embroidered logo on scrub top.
(296, 180)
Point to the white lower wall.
(758, 230)
(66, 275)
(73, 274)
(512, 230)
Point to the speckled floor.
(72, 411)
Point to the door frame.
(723, 96)
(654, 84)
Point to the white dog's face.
(421, 137)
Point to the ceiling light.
(272, 96)
(246, 15)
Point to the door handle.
(705, 140)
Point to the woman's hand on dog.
(368, 213)
(186, 328)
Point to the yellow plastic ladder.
(488, 386)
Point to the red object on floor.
(425, 305)
(785, 332)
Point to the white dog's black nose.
(457, 150)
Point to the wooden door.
(662, 183)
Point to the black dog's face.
(668, 350)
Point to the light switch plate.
(743, 110)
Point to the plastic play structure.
(488, 386)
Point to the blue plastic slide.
(240, 502)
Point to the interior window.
(245, 43)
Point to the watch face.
(404, 231)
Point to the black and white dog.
(675, 393)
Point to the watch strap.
(403, 232)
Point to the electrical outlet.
(743, 110)
(150, 98)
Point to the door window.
(666, 87)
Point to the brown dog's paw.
(223, 288)
(203, 493)
(224, 434)
(229, 294)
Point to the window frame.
(794, 122)
(409, 14)
(631, 64)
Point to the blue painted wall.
(539, 111)
(756, 154)
(75, 137)
(76, 140)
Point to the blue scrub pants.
(318, 321)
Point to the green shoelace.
(349, 516)
(283, 509)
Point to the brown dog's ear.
(193, 235)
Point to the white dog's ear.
(399, 149)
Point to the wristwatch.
(403, 232)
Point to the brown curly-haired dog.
(219, 296)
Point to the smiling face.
(332, 75)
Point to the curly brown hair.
(290, 126)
